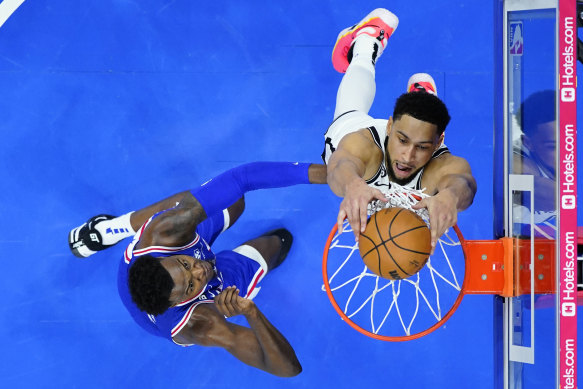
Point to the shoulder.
(441, 166)
(203, 323)
(448, 162)
(360, 143)
(363, 135)
(174, 226)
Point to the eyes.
(405, 141)
(190, 283)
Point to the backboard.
(535, 138)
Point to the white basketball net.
(394, 307)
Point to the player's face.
(543, 145)
(190, 276)
(410, 145)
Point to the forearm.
(225, 189)
(317, 173)
(279, 357)
(342, 173)
(461, 187)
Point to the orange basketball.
(395, 244)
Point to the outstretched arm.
(356, 157)
(450, 179)
(178, 224)
(261, 345)
(221, 191)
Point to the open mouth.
(402, 170)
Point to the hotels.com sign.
(567, 195)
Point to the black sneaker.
(286, 242)
(85, 240)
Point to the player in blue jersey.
(364, 154)
(175, 287)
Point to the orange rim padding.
(502, 266)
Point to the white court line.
(7, 8)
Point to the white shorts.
(347, 123)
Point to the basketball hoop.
(407, 309)
(392, 310)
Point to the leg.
(357, 88)
(103, 231)
(355, 53)
(273, 246)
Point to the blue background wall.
(110, 105)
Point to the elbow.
(293, 369)
(296, 369)
(473, 185)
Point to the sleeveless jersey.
(381, 178)
(378, 131)
(231, 268)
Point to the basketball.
(395, 244)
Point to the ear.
(440, 141)
(389, 125)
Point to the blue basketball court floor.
(109, 106)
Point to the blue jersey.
(231, 268)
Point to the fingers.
(378, 195)
(355, 218)
(440, 222)
(353, 212)
(420, 204)
(227, 302)
(340, 220)
(434, 238)
(354, 221)
(362, 220)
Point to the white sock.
(358, 88)
(114, 230)
(366, 49)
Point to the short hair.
(536, 109)
(150, 285)
(422, 106)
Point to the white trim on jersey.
(253, 254)
(130, 252)
(178, 327)
(226, 220)
(164, 249)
